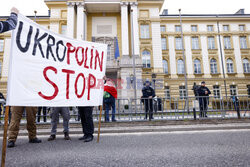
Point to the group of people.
(17, 111)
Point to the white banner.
(47, 69)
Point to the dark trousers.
(109, 103)
(44, 114)
(203, 102)
(86, 115)
(148, 108)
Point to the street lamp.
(35, 14)
(133, 53)
(184, 59)
(154, 79)
(131, 78)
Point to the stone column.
(70, 19)
(124, 26)
(238, 58)
(205, 57)
(134, 27)
(80, 20)
(157, 50)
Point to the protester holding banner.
(10, 23)
(110, 94)
(64, 111)
(86, 114)
(17, 113)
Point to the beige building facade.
(139, 29)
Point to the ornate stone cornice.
(125, 4)
(133, 4)
(71, 4)
(80, 4)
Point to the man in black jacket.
(147, 95)
(10, 23)
(204, 93)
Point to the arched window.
(213, 66)
(230, 66)
(180, 66)
(246, 66)
(146, 59)
(165, 66)
(197, 66)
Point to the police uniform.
(148, 91)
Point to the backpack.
(106, 95)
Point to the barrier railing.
(163, 109)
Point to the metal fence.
(165, 109)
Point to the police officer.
(86, 115)
(147, 94)
(203, 93)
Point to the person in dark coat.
(44, 114)
(203, 93)
(147, 96)
(2, 101)
(10, 23)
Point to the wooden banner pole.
(99, 125)
(6, 117)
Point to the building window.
(197, 66)
(145, 31)
(178, 43)
(216, 90)
(211, 43)
(233, 90)
(165, 66)
(242, 27)
(163, 28)
(195, 43)
(146, 59)
(182, 92)
(177, 28)
(210, 28)
(180, 66)
(225, 27)
(194, 28)
(1, 45)
(246, 66)
(163, 43)
(227, 43)
(230, 66)
(213, 66)
(248, 90)
(167, 92)
(64, 29)
(109, 55)
(243, 42)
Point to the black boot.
(89, 138)
(35, 140)
(11, 144)
(66, 136)
(52, 137)
(83, 138)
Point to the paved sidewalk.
(154, 126)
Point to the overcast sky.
(27, 7)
